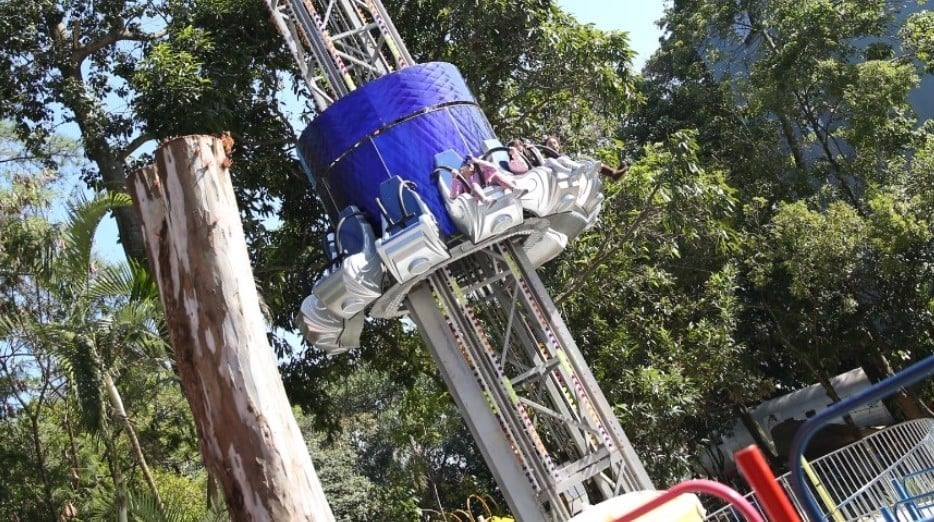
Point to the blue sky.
(637, 17)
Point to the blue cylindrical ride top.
(393, 126)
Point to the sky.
(637, 17)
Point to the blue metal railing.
(907, 377)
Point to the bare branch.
(135, 144)
(16, 159)
(583, 278)
(118, 34)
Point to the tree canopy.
(774, 228)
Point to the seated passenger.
(549, 155)
(552, 145)
(552, 157)
(467, 180)
(518, 164)
(491, 174)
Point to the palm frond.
(110, 281)
(144, 286)
(14, 324)
(144, 508)
(129, 280)
(136, 327)
(78, 235)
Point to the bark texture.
(250, 440)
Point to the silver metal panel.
(548, 190)
(481, 220)
(413, 251)
(546, 247)
(355, 283)
(458, 369)
(326, 330)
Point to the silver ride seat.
(548, 189)
(411, 243)
(568, 193)
(355, 279)
(590, 199)
(542, 249)
(478, 220)
(326, 330)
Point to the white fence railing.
(857, 480)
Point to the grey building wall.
(739, 57)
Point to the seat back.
(399, 204)
(449, 160)
(353, 231)
(329, 245)
(447, 164)
(496, 153)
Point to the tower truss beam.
(495, 333)
(339, 44)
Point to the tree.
(67, 62)
(803, 106)
(250, 441)
(30, 384)
(652, 294)
(535, 70)
(93, 333)
(778, 180)
(83, 355)
(70, 58)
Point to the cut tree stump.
(194, 238)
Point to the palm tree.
(107, 316)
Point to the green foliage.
(918, 37)
(170, 75)
(807, 243)
(919, 174)
(142, 507)
(802, 107)
(653, 300)
(881, 121)
(774, 228)
(80, 332)
(535, 70)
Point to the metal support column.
(487, 318)
(459, 375)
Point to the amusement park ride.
(436, 219)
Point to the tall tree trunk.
(47, 497)
(73, 450)
(121, 502)
(902, 405)
(116, 402)
(835, 398)
(761, 438)
(250, 440)
(33, 409)
(92, 119)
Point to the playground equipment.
(915, 503)
(409, 168)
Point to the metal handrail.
(884, 475)
(907, 377)
(914, 439)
